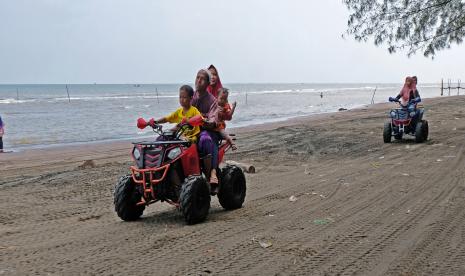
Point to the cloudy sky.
(166, 41)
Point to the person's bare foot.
(213, 177)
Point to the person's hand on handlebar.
(152, 122)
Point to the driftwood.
(245, 167)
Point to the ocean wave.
(285, 91)
(15, 101)
(84, 98)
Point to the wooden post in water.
(442, 87)
(67, 91)
(373, 98)
(156, 89)
(17, 94)
(245, 97)
(458, 86)
(448, 85)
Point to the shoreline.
(18, 141)
(74, 155)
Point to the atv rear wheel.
(387, 132)
(126, 197)
(420, 132)
(232, 188)
(195, 199)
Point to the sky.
(167, 41)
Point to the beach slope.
(358, 206)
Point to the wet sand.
(362, 207)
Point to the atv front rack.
(140, 177)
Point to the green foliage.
(411, 25)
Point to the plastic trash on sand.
(265, 244)
(321, 221)
(293, 198)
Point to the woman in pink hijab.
(215, 82)
(407, 92)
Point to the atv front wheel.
(126, 197)
(387, 132)
(420, 132)
(425, 129)
(195, 199)
(232, 188)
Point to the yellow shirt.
(177, 117)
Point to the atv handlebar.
(391, 99)
(186, 124)
(412, 101)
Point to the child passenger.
(186, 111)
(225, 112)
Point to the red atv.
(169, 170)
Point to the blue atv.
(406, 120)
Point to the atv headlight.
(412, 114)
(136, 153)
(393, 114)
(174, 153)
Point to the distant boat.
(136, 85)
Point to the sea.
(45, 115)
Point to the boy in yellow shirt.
(185, 112)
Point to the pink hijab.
(409, 85)
(214, 89)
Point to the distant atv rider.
(409, 92)
(207, 104)
(409, 95)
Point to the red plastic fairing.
(402, 122)
(223, 148)
(190, 161)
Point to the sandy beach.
(359, 206)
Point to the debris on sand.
(262, 243)
(376, 165)
(265, 244)
(342, 109)
(439, 160)
(321, 221)
(405, 174)
(88, 164)
(293, 198)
